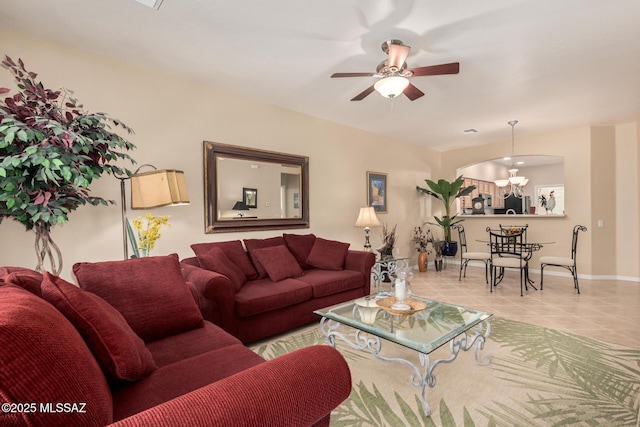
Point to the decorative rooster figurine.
(548, 205)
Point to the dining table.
(528, 248)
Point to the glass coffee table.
(425, 328)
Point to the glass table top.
(423, 331)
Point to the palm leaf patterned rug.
(537, 377)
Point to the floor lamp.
(154, 189)
(367, 218)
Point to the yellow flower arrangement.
(148, 233)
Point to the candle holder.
(402, 289)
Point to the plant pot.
(422, 262)
(450, 249)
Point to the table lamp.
(240, 206)
(367, 219)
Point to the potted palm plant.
(447, 192)
(51, 150)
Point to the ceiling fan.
(394, 74)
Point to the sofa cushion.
(149, 292)
(191, 343)
(120, 353)
(260, 296)
(47, 361)
(329, 282)
(328, 254)
(300, 246)
(214, 259)
(182, 377)
(278, 262)
(253, 244)
(23, 277)
(234, 251)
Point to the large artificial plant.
(51, 150)
(447, 192)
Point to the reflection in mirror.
(537, 171)
(248, 189)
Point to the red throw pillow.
(328, 254)
(253, 244)
(120, 353)
(300, 246)
(234, 251)
(214, 259)
(149, 292)
(23, 277)
(45, 360)
(278, 262)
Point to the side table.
(383, 269)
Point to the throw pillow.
(214, 259)
(149, 292)
(120, 353)
(300, 246)
(328, 254)
(278, 262)
(253, 244)
(23, 277)
(234, 251)
(46, 360)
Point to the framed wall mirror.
(247, 189)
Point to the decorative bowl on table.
(414, 306)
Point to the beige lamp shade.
(367, 218)
(164, 187)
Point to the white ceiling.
(548, 63)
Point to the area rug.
(537, 377)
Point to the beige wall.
(172, 117)
(627, 191)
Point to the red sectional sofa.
(130, 347)
(276, 283)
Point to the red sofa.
(276, 283)
(131, 348)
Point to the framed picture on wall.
(377, 195)
(250, 197)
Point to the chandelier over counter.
(513, 185)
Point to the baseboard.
(565, 273)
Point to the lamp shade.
(240, 206)
(501, 182)
(164, 187)
(391, 87)
(367, 218)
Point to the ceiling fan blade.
(352, 75)
(435, 70)
(362, 95)
(413, 92)
(397, 55)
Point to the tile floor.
(606, 310)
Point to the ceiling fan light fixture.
(392, 86)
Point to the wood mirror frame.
(213, 152)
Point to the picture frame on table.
(250, 197)
(377, 193)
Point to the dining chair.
(568, 263)
(507, 251)
(466, 256)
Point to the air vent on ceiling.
(151, 3)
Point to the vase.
(422, 262)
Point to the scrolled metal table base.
(422, 375)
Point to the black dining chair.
(568, 263)
(507, 251)
(466, 256)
